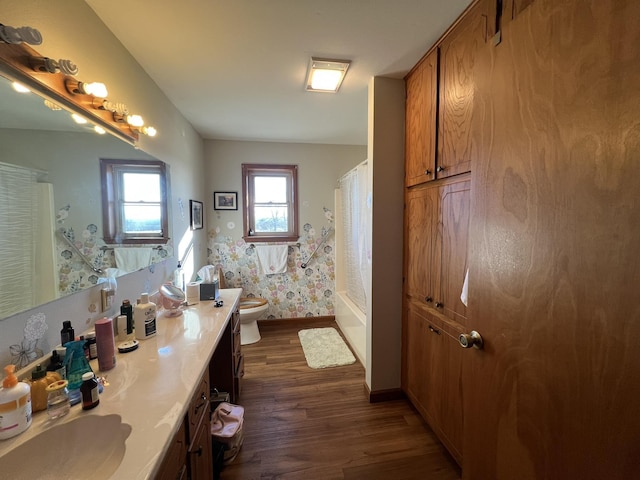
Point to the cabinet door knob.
(434, 330)
(427, 172)
(473, 339)
(428, 299)
(438, 304)
(440, 168)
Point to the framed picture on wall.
(225, 200)
(196, 214)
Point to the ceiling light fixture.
(325, 75)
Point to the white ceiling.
(236, 68)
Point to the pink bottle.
(106, 344)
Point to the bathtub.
(353, 325)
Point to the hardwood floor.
(310, 424)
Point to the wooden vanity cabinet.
(227, 365)
(190, 455)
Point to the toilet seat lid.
(251, 302)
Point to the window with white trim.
(270, 207)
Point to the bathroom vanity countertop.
(151, 387)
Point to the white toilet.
(252, 309)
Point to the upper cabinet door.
(458, 54)
(420, 122)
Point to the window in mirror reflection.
(134, 201)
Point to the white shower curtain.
(18, 235)
(356, 224)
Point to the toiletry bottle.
(15, 405)
(67, 334)
(106, 344)
(89, 391)
(40, 379)
(144, 316)
(76, 365)
(121, 327)
(90, 338)
(127, 309)
(56, 365)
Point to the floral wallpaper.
(301, 292)
(73, 274)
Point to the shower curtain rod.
(364, 162)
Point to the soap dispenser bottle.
(15, 405)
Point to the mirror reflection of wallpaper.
(301, 292)
(74, 274)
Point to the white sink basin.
(90, 446)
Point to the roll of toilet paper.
(193, 293)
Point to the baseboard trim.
(378, 396)
(288, 321)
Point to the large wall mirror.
(50, 189)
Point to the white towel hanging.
(272, 259)
(132, 259)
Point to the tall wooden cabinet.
(438, 158)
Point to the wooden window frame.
(248, 172)
(111, 221)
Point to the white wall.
(71, 30)
(386, 157)
(319, 168)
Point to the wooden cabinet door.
(451, 249)
(200, 453)
(458, 57)
(174, 464)
(421, 216)
(433, 375)
(420, 121)
(417, 352)
(554, 241)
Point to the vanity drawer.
(199, 405)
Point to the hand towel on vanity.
(132, 259)
(272, 258)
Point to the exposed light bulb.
(18, 87)
(78, 119)
(96, 89)
(149, 131)
(98, 129)
(135, 120)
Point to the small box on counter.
(209, 291)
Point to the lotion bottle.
(15, 405)
(144, 318)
